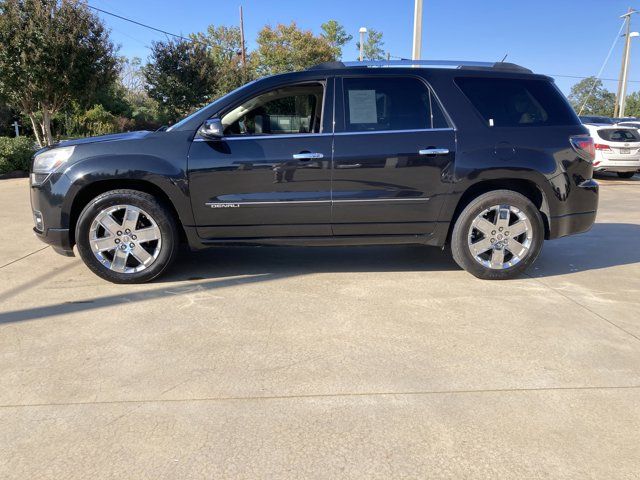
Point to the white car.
(617, 149)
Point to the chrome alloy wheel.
(125, 239)
(500, 237)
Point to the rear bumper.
(579, 213)
(571, 224)
(616, 165)
(58, 238)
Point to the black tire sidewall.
(459, 245)
(163, 218)
(626, 174)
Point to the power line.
(140, 24)
(193, 40)
(582, 78)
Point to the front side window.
(391, 103)
(286, 110)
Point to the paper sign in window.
(362, 106)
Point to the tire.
(520, 214)
(140, 260)
(626, 174)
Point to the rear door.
(392, 147)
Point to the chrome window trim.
(299, 202)
(264, 137)
(416, 130)
(306, 135)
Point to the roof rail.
(417, 63)
(502, 66)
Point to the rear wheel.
(126, 236)
(498, 235)
(626, 174)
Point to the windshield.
(199, 111)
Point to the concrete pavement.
(371, 362)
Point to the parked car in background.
(488, 158)
(617, 149)
(632, 124)
(619, 120)
(597, 120)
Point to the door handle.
(307, 156)
(434, 151)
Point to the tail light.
(604, 148)
(584, 146)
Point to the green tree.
(53, 52)
(180, 76)
(286, 48)
(632, 105)
(373, 46)
(591, 94)
(224, 47)
(336, 37)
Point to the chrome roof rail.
(419, 63)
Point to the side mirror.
(212, 129)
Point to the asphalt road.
(372, 362)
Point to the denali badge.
(223, 205)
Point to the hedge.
(15, 153)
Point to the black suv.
(489, 158)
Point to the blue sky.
(561, 37)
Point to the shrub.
(15, 153)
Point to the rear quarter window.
(619, 135)
(505, 102)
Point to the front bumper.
(58, 238)
(46, 204)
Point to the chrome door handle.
(434, 151)
(307, 156)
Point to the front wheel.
(498, 235)
(626, 174)
(126, 236)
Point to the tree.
(632, 105)
(336, 37)
(591, 93)
(180, 76)
(131, 74)
(286, 48)
(224, 47)
(373, 46)
(53, 52)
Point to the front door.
(270, 175)
(392, 148)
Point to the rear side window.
(618, 135)
(506, 102)
(391, 103)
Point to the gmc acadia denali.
(487, 158)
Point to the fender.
(167, 176)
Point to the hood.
(105, 138)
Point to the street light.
(627, 55)
(363, 30)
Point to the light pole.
(623, 95)
(362, 31)
(417, 30)
(618, 110)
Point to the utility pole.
(243, 51)
(362, 31)
(16, 126)
(417, 31)
(618, 110)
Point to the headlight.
(49, 161)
